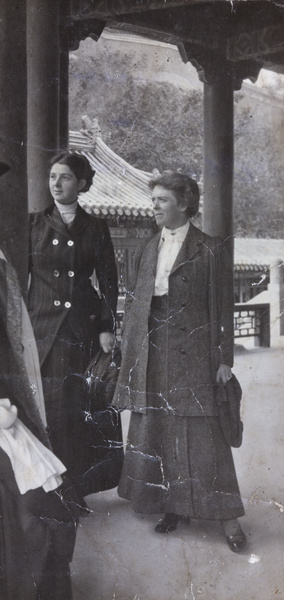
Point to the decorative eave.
(248, 268)
(118, 190)
(257, 254)
(225, 36)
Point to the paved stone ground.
(118, 555)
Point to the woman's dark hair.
(184, 187)
(78, 164)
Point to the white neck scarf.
(67, 211)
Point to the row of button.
(56, 241)
(58, 303)
(57, 273)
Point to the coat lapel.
(147, 270)
(54, 221)
(190, 247)
(80, 222)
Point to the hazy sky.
(271, 81)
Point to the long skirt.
(65, 401)
(173, 463)
(181, 465)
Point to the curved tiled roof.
(257, 253)
(118, 189)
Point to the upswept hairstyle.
(184, 187)
(78, 164)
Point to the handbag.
(104, 421)
(228, 400)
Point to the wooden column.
(43, 96)
(13, 185)
(64, 77)
(219, 158)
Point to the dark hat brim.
(4, 168)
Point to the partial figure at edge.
(38, 504)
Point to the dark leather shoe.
(235, 536)
(237, 542)
(168, 524)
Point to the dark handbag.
(228, 399)
(105, 422)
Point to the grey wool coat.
(199, 331)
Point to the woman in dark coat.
(71, 319)
(174, 352)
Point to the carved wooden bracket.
(213, 65)
(76, 31)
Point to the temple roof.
(118, 189)
(257, 254)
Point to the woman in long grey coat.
(175, 349)
(71, 319)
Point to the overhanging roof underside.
(237, 30)
(110, 8)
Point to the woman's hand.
(106, 341)
(224, 373)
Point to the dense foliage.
(157, 124)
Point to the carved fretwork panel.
(125, 241)
(121, 258)
(253, 44)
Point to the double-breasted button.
(183, 351)
(57, 303)
(183, 303)
(70, 243)
(55, 242)
(67, 304)
(71, 273)
(56, 273)
(184, 278)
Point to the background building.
(120, 194)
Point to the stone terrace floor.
(119, 556)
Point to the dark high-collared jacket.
(62, 261)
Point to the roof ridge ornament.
(90, 129)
